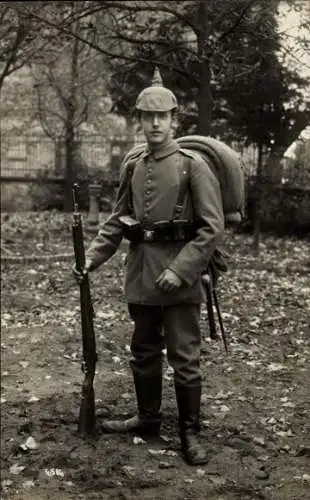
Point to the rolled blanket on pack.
(227, 166)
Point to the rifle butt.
(87, 416)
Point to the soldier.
(165, 260)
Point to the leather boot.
(188, 400)
(148, 420)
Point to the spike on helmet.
(156, 97)
(157, 80)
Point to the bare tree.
(22, 38)
(129, 24)
(67, 84)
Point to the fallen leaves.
(24, 364)
(33, 399)
(275, 367)
(168, 453)
(29, 444)
(16, 468)
(303, 451)
(138, 440)
(254, 399)
(59, 473)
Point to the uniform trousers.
(175, 327)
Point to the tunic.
(158, 176)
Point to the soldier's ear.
(139, 127)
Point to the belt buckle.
(148, 235)
(178, 231)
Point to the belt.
(162, 233)
(173, 233)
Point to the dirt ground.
(256, 399)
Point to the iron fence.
(28, 161)
(31, 160)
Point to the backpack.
(223, 161)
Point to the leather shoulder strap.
(185, 187)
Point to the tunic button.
(149, 181)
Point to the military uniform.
(157, 180)
(153, 195)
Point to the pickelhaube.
(156, 97)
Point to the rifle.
(87, 417)
(212, 297)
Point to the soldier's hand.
(168, 281)
(81, 275)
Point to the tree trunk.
(70, 177)
(204, 99)
(258, 201)
(58, 157)
(70, 144)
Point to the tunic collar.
(167, 150)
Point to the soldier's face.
(157, 126)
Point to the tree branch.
(4, 12)
(237, 22)
(53, 81)
(140, 41)
(122, 6)
(23, 50)
(107, 53)
(10, 61)
(42, 118)
(82, 117)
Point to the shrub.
(284, 209)
(15, 197)
(46, 195)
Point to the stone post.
(93, 214)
